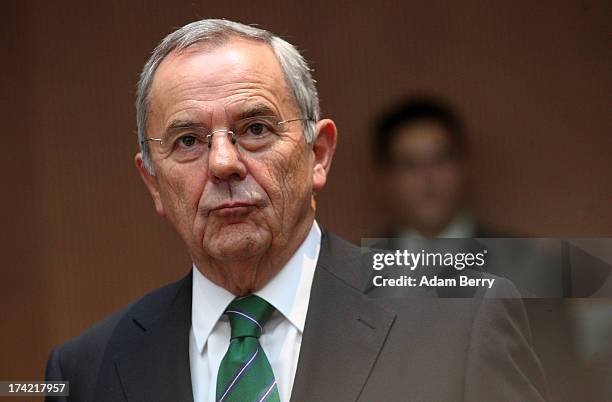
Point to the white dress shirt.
(288, 292)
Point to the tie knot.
(248, 315)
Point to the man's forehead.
(212, 69)
(424, 131)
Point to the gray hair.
(217, 32)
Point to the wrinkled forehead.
(229, 75)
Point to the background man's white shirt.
(460, 227)
(288, 292)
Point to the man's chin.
(237, 242)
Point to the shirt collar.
(288, 291)
(461, 226)
(208, 302)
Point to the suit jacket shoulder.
(360, 347)
(83, 359)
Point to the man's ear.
(323, 148)
(151, 182)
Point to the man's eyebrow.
(177, 125)
(256, 110)
(260, 109)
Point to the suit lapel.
(344, 330)
(155, 364)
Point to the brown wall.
(80, 236)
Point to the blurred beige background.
(81, 238)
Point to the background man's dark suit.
(354, 347)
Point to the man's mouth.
(232, 209)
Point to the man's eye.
(257, 129)
(187, 141)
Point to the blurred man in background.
(421, 154)
(420, 151)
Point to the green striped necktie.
(245, 374)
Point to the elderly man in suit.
(275, 308)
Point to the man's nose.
(224, 161)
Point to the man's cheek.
(268, 173)
(180, 199)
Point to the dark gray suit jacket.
(354, 346)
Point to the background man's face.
(425, 181)
(230, 205)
